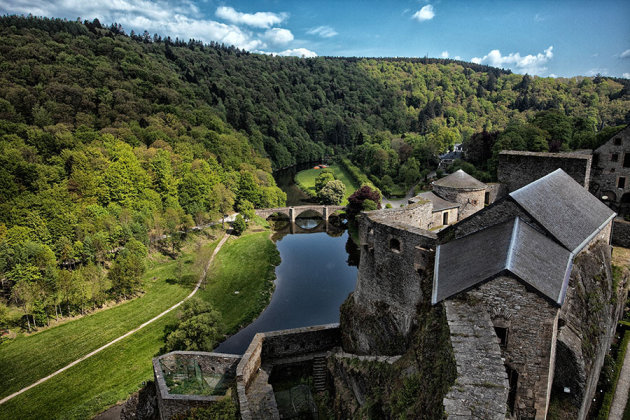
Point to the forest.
(112, 144)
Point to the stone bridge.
(293, 212)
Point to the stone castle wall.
(481, 389)
(418, 214)
(607, 169)
(621, 233)
(438, 217)
(530, 322)
(470, 201)
(392, 280)
(517, 169)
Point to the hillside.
(108, 139)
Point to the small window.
(502, 333)
(621, 182)
(394, 245)
(618, 141)
(486, 198)
(626, 160)
(445, 218)
(614, 157)
(612, 170)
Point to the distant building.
(610, 180)
(449, 157)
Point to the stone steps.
(319, 373)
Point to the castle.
(519, 293)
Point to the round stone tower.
(463, 189)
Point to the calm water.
(285, 180)
(313, 280)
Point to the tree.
(239, 226)
(355, 201)
(128, 268)
(323, 178)
(198, 328)
(332, 193)
(369, 205)
(222, 200)
(246, 208)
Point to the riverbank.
(305, 179)
(119, 370)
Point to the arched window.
(394, 245)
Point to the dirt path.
(122, 337)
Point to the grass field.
(306, 179)
(113, 374)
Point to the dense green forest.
(113, 143)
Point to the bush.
(369, 205)
(332, 193)
(198, 328)
(388, 205)
(239, 226)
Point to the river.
(315, 276)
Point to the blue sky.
(546, 38)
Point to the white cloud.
(626, 75)
(323, 31)
(426, 13)
(555, 76)
(298, 52)
(278, 36)
(258, 19)
(457, 57)
(625, 54)
(175, 18)
(444, 54)
(532, 64)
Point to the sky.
(546, 38)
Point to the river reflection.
(312, 281)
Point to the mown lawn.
(246, 264)
(306, 179)
(31, 357)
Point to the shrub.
(239, 225)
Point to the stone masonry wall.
(503, 210)
(418, 214)
(378, 317)
(607, 169)
(481, 388)
(170, 405)
(621, 233)
(438, 217)
(530, 320)
(517, 169)
(470, 201)
(495, 191)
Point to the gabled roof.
(460, 180)
(513, 247)
(439, 203)
(564, 208)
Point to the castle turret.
(461, 188)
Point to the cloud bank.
(532, 64)
(175, 18)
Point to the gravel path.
(621, 392)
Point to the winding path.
(201, 278)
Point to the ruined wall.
(587, 321)
(170, 405)
(608, 167)
(621, 232)
(517, 169)
(418, 214)
(481, 388)
(530, 323)
(299, 341)
(438, 217)
(471, 201)
(378, 317)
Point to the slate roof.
(460, 180)
(439, 203)
(564, 208)
(513, 247)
